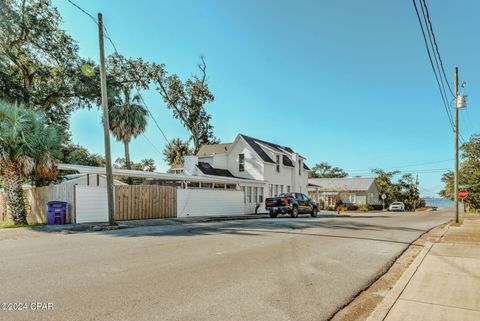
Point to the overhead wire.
(445, 105)
(109, 38)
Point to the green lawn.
(9, 224)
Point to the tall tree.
(187, 101)
(469, 174)
(384, 180)
(175, 152)
(39, 62)
(325, 170)
(28, 147)
(128, 119)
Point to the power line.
(153, 145)
(436, 47)
(109, 38)
(106, 35)
(153, 118)
(404, 166)
(432, 65)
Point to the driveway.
(263, 269)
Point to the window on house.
(241, 162)
(299, 167)
(255, 194)
(244, 195)
(276, 190)
(270, 192)
(260, 194)
(288, 188)
(277, 163)
(281, 189)
(249, 194)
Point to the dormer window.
(277, 162)
(241, 162)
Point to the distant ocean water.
(438, 202)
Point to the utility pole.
(106, 123)
(455, 182)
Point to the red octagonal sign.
(462, 193)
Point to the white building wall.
(205, 202)
(219, 160)
(254, 168)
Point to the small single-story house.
(351, 190)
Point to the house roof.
(156, 175)
(255, 144)
(209, 150)
(342, 184)
(207, 169)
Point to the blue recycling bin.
(56, 212)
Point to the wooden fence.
(37, 198)
(139, 202)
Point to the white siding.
(253, 163)
(204, 202)
(91, 204)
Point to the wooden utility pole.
(106, 123)
(455, 181)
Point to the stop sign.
(462, 193)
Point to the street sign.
(462, 193)
(384, 196)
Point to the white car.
(396, 207)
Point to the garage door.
(91, 204)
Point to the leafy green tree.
(39, 62)
(187, 101)
(28, 148)
(408, 191)
(324, 170)
(175, 151)
(128, 119)
(384, 180)
(469, 174)
(145, 165)
(76, 154)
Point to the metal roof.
(341, 184)
(156, 175)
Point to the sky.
(345, 82)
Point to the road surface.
(264, 269)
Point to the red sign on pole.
(462, 194)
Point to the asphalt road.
(265, 269)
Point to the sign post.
(384, 196)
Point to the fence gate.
(140, 202)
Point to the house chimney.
(190, 165)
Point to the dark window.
(299, 167)
(241, 162)
(278, 163)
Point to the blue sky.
(346, 82)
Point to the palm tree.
(128, 118)
(28, 147)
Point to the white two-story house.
(268, 169)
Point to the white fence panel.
(91, 204)
(209, 202)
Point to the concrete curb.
(384, 307)
(392, 296)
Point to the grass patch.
(10, 224)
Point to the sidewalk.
(446, 285)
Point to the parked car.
(396, 207)
(291, 203)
